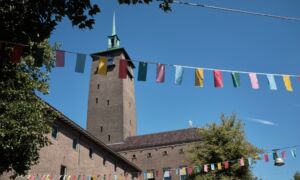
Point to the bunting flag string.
(182, 171)
(17, 52)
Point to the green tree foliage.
(220, 143)
(297, 176)
(164, 4)
(23, 117)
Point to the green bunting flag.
(142, 73)
(236, 79)
(80, 63)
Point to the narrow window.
(104, 161)
(130, 122)
(112, 42)
(165, 153)
(74, 144)
(54, 132)
(101, 128)
(63, 171)
(91, 153)
(115, 167)
(133, 157)
(108, 137)
(181, 151)
(96, 100)
(107, 102)
(98, 86)
(149, 155)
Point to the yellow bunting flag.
(287, 83)
(199, 77)
(219, 166)
(102, 67)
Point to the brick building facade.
(76, 152)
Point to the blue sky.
(198, 37)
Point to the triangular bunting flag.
(242, 163)
(219, 165)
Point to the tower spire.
(114, 25)
(113, 40)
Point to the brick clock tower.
(111, 115)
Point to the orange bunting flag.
(287, 83)
(219, 165)
(218, 80)
(199, 77)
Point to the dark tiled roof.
(158, 139)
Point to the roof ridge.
(163, 132)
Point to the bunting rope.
(171, 65)
(235, 10)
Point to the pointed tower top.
(114, 25)
(113, 40)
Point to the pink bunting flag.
(242, 163)
(218, 80)
(205, 168)
(266, 157)
(283, 154)
(160, 73)
(60, 58)
(298, 78)
(254, 81)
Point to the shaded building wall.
(175, 157)
(77, 161)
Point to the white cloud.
(262, 121)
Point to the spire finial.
(114, 25)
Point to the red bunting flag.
(226, 164)
(266, 157)
(123, 69)
(16, 54)
(157, 173)
(190, 170)
(298, 78)
(218, 79)
(60, 58)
